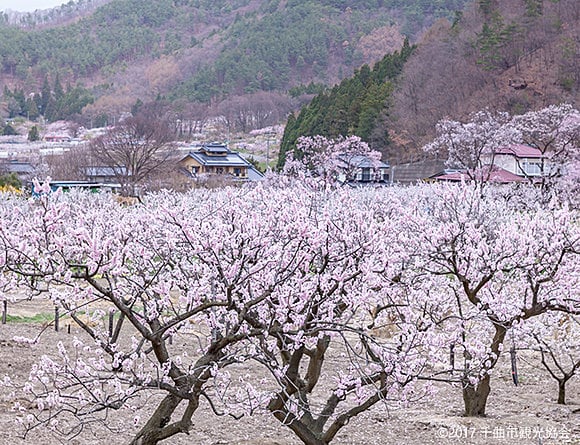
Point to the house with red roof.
(518, 159)
(508, 164)
(489, 173)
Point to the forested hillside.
(350, 108)
(201, 50)
(512, 55)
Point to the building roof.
(228, 160)
(520, 151)
(254, 174)
(215, 148)
(18, 167)
(57, 137)
(105, 171)
(362, 161)
(417, 171)
(488, 174)
(217, 155)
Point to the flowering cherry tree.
(471, 145)
(325, 312)
(557, 338)
(476, 266)
(340, 299)
(92, 256)
(555, 131)
(329, 160)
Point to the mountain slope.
(513, 55)
(202, 50)
(350, 108)
(510, 55)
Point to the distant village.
(62, 153)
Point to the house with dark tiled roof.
(24, 170)
(362, 169)
(417, 171)
(104, 174)
(217, 159)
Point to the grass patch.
(38, 318)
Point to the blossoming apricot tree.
(331, 161)
(271, 275)
(476, 265)
(361, 292)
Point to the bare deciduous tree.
(135, 149)
(251, 112)
(69, 165)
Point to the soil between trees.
(526, 414)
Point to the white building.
(521, 160)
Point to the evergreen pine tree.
(9, 130)
(33, 134)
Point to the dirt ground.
(526, 414)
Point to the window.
(366, 175)
(531, 167)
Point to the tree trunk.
(561, 392)
(151, 433)
(475, 398)
(305, 434)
